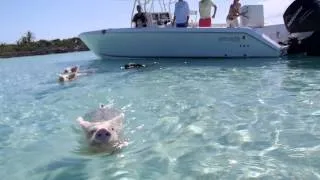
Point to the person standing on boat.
(234, 13)
(139, 18)
(205, 12)
(181, 14)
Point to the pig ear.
(84, 124)
(117, 122)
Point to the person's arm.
(215, 9)
(243, 13)
(146, 21)
(133, 21)
(237, 9)
(174, 15)
(174, 20)
(188, 12)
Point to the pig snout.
(102, 135)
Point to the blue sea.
(184, 118)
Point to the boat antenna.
(160, 4)
(164, 5)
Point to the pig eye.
(112, 129)
(92, 131)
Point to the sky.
(49, 19)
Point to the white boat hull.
(181, 42)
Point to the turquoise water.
(185, 119)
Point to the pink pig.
(104, 131)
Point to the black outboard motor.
(300, 17)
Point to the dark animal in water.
(133, 65)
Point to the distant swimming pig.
(103, 129)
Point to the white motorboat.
(162, 40)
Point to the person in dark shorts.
(139, 18)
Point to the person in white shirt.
(181, 14)
(205, 12)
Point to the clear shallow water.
(187, 119)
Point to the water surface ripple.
(185, 119)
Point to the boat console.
(156, 19)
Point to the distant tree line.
(27, 46)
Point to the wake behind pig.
(103, 129)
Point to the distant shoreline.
(26, 46)
(39, 52)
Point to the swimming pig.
(104, 130)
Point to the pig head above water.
(103, 128)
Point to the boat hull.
(180, 42)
